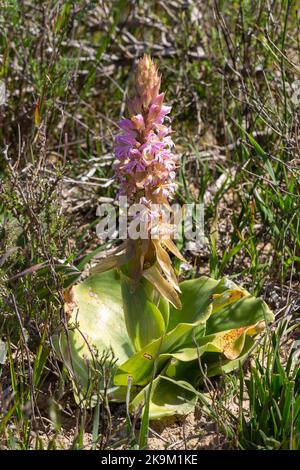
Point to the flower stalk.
(145, 170)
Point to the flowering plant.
(132, 304)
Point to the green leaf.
(99, 314)
(212, 362)
(245, 312)
(143, 319)
(164, 308)
(261, 153)
(140, 366)
(195, 297)
(96, 313)
(198, 294)
(215, 324)
(168, 398)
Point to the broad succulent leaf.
(197, 294)
(212, 363)
(158, 352)
(143, 319)
(242, 313)
(216, 324)
(168, 397)
(96, 318)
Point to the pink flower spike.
(145, 167)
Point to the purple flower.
(145, 169)
(145, 165)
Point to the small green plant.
(273, 389)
